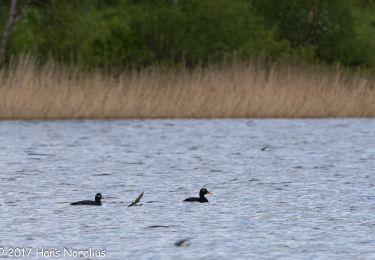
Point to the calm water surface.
(310, 193)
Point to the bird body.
(193, 199)
(201, 198)
(97, 202)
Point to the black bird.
(182, 243)
(97, 202)
(137, 200)
(201, 198)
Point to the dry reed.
(28, 91)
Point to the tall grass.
(52, 91)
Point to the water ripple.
(297, 189)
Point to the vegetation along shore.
(51, 91)
(186, 59)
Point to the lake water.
(309, 193)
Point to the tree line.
(134, 33)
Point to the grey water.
(293, 189)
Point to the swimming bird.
(182, 243)
(201, 198)
(134, 203)
(97, 202)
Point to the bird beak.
(209, 192)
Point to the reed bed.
(52, 91)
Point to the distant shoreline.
(251, 90)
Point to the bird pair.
(98, 199)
